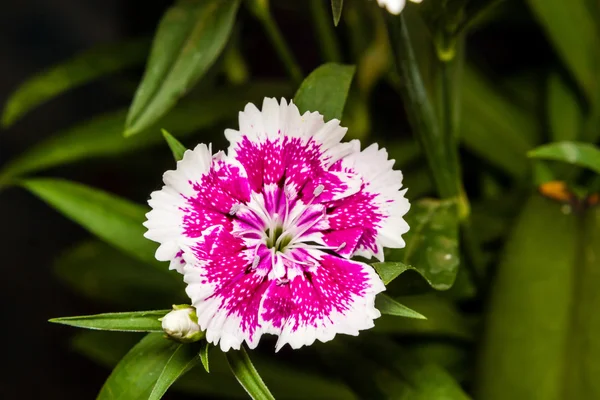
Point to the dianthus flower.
(394, 6)
(264, 233)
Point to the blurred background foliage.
(508, 284)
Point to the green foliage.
(247, 376)
(325, 90)
(336, 8)
(183, 359)
(431, 245)
(114, 220)
(79, 70)
(137, 321)
(575, 34)
(136, 374)
(175, 145)
(389, 306)
(580, 154)
(189, 39)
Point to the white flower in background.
(264, 234)
(394, 6)
(181, 324)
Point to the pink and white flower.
(264, 233)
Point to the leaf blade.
(336, 9)
(325, 90)
(136, 321)
(190, 37)
(180, 362)
(387, 305)
(247, 375)
(175, 145)
(431, 244)
(135, 375)
(115, 220)
(576, 153)
(78, 70)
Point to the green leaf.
(580, 154)
(114, 220)
(495, 129)
(564, 112)
(182, 360)
(79, 70)
(336, 8)
(102, 136)
(190, 37)
(388, 271)
(136, 321)
(387, 305)
(529, 327)
(204, 356)
(100, 272)
(175, 145)
(431, 244)
(246, 374)
(574, 31)
(136, 374)
(325, 90)
(444, 320)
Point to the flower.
(264, 233)
(181, 324)
(395, 6)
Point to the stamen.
(283, 281)
(235, 208)
(255, 262)
(318, 190)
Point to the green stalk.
(328, 43)
(419, 109)
(262, 11)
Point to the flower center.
(277, 238)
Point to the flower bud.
(181, 324)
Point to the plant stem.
(325, 31)
(265, 16)
(419, 109)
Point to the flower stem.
(325, 31)
(419, 109)
(262, 12)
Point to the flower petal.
(337, 296)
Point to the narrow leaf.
(580, 154)
(79, 70)
(102, 136)
(100, 272)
(204, 356)
(387, 305)
(136, 321)
(175, 145)
(136, 374)
(336, 8)
(388, 271)
(431, 244)
(325, 90)
(182, 360)
(114, 220)
(574, 31)
(246, 374)
(190, 37)
(565, 115)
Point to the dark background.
(36, 361)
